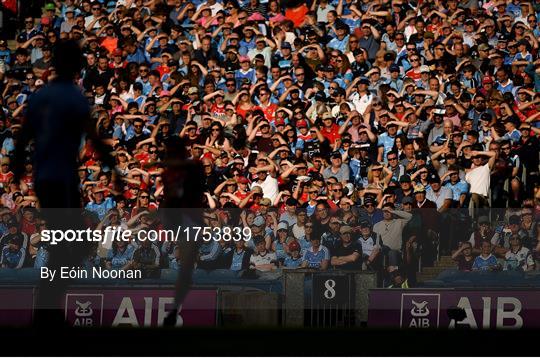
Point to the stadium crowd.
(357, 134)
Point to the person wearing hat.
(441, 196)
(346, 254)
(405, 188)
(263, 49)
(341, 41)
(337, 169)
(283, 56)
(512, 133)
(395, 81)
(452, 180)
(294, 257)
(280, 244)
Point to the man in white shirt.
(268, 184)
(478, 177)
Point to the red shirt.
(269, 111)
(331, 133)
(5, 177)
(414, 75)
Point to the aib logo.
(420, 310)
(84, 309)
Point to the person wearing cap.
(441, 196)
(337, 169)
(451, 179)
(263, 47)
(512, 133)
(294, 256)
(346, 254)
(245, 72)
(280, 244)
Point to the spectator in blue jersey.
(13, 255)
(100, 205)
(317, 256)
(294, 259)
(238, 258)
(486, 261)
(119, 256)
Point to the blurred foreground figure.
(56, 119)
(184, 190)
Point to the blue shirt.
(292, 263)
(484, 264)
(386, 142)
(237, 260)
(338, 44)
(315, 259)
(209, 251)
(461, 187)
(12, 259)
(120, 259)
(101, 209)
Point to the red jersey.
(331, 133)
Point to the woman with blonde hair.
(379, 176)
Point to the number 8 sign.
(330, 290)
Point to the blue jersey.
(12, 259)
(292, 263)
(101, 209)
(484, 264)
(280, 251)
(209, 251)
(120, 259)
(304, 245)
(237, 260)
(315, 259)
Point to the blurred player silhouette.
(184, 191)
(57, 119)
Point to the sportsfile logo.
(420, 310)
(84, 309)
